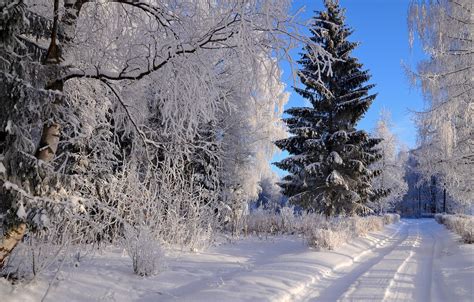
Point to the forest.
(150, 126)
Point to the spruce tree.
(329, 157)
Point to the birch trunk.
(10, 240)
(51, 132)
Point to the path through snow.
(406, 268)
(409, 262)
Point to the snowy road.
(403, 269)
(413, 260)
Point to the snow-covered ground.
(414, 260)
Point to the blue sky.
(381, 28)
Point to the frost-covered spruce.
(329, 157)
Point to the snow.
(336, 178)
(414, 260)
(334, 157)
(9, 127)
(21, 213)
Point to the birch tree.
(392, 165)
(446, 133)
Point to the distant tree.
(330, 158)
(390, 183)
(270, 193)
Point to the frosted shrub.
(374, 223)
(288, 219)
(454, 223)
(309, 221)
(318, 231)
(343, 226)
(391, 218)
(359, 226)
(463, 225)
(325, 239)
(439, 218)
(261, 221)
(329, 234)
(467, 233)
(199, 238)
(397, 218)
(268, 221)
(145, 251)
(48, 249)
(363, 225)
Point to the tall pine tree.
(329, 157)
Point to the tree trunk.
(49, 142)
(10, 240)
(46, 152)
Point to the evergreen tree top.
(329, 157)
(344, 87)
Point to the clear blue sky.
(381, 28)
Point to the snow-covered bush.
(268, 221)
(462, 225)
(261, 221)
(390, 218)
(288, 218)
(325, 239)
(363, 225)
(144, 249)
(396, 218)
(439, 218)
(198, 238)
(467, 234)
(285, 221)
(319, 231)
(334, 232)
(358, 226)
(374, 223)
(331, 233)
(35, 255)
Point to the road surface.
(405, 268)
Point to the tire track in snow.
(401, 285)
(413, 280)
(437, 292)
(341, 279)
(402, 271)
(399, 276)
